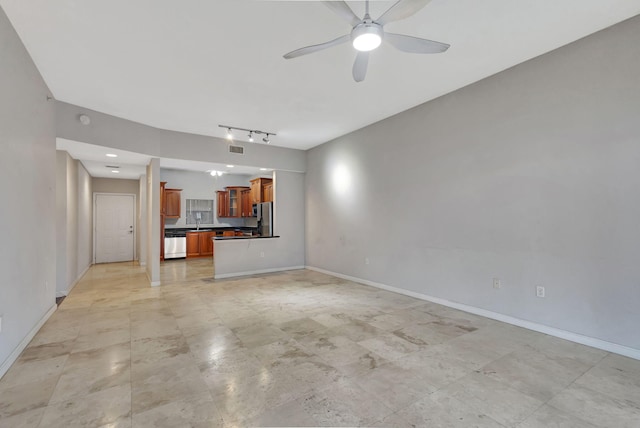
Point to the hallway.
(297, 348)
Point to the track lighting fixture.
(266, 134)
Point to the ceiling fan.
(367, 34)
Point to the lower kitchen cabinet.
(206, 243)
(200, 244)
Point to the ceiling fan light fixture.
(367, 37)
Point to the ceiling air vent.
(236, 149)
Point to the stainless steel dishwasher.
(175, 244)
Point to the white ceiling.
(132, 165)
(193, 64)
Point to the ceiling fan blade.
(415, 44)
(314, 48)
(344, 11)
(401, 10)
(360, 66)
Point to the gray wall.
(153, 221)
(110, 131)
(74, 232)
(199, 185)
(142, 221)
(28, 166)
(62, 165)
(530, 176)
(85, 220)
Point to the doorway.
(114, 220)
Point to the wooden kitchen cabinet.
(258, 188)
(245, 203)
(193, 244)
(267, 192)
(200, 244)
(206, 243)
(172, 202)
(162, 204)
(223, 203)
(230, 201)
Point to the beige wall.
(115, 185)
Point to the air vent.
(112, 166)
(236, 149)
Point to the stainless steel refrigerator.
(264, 214)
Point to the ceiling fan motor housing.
(367, 35)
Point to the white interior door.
(114, 228)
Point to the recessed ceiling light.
(116, 171)
(112, 155)
(263, 169)
(229, 166)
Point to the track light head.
(229, 129)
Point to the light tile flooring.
(298, 349)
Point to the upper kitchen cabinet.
(245, 203)
(230, 203)
(235, 201)
(258, 187)
(172, 203)
(223, 203)
(163, 184)
(267, 192)
(169, 201)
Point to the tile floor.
(298, 348)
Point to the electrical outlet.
(540, 291)
(497, 283)
(261, 253)
(366, 260)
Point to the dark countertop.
(182, 231)
(230, 238)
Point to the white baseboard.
(73, 284)
(255, 272)
(152, 283)
(551, 331)
(6, 364)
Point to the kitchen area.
(197, 209)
